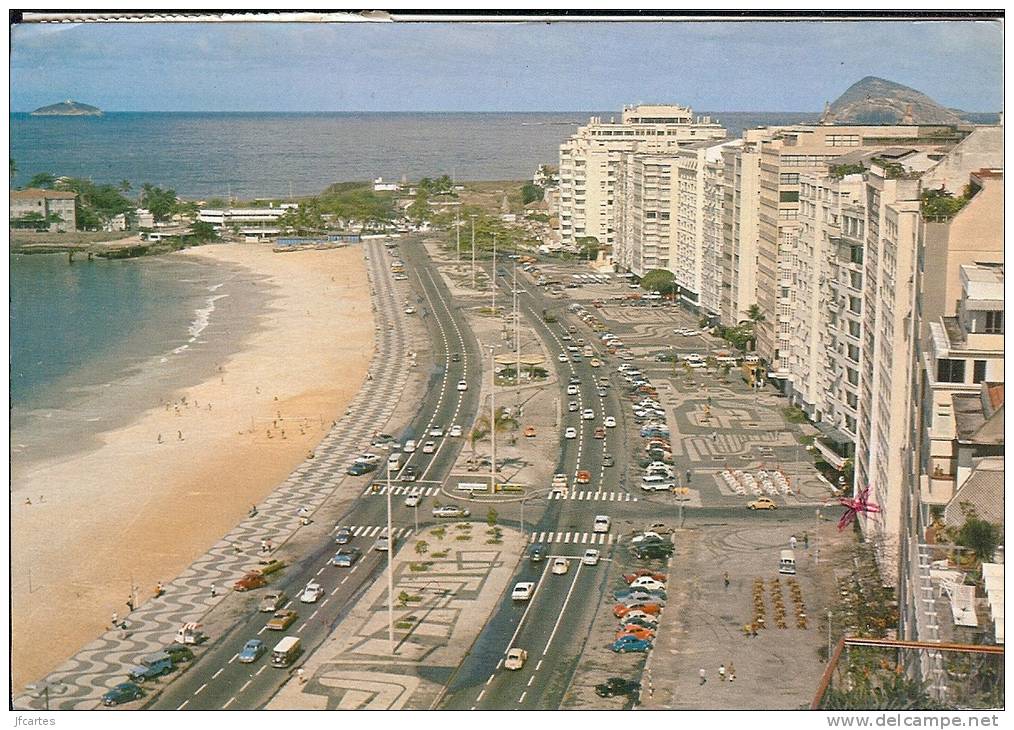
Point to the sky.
(560, 66)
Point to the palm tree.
(480, 430)
(754, 314)
(124, 185)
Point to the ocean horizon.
(277, 154)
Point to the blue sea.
(272, 154)
(93, 342)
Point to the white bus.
(285, 652)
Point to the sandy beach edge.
(140, 511)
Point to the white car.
(588, 414)
(515, 658)
(570, 433)
(437, 431)
(462, 385)
(647, 535)
(451, 510)
(409, 446)
(561, 357)
(572, 406)
(590, 557)
(393, 461)
(646, 581)
(409, 310)
(610, 422)
(649, 618)
(368, 458)
(429, 447)
(412, 500)
(601, 524)
(312, 593)
(522, 591)
(560, 566)
(697, 364)
(571, 390)
(455, 431)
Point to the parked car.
(620, 610)
(630, 644)
(615, 686)
(450, 510)
(312, 593)
(653, 551)
(645, 621)
(522, 591)
(346, 557)
(638, 632)
(282, 620)
(178, 654)
(762, 503)
(251, 652)
(515, 659)
(249, 582)
(358, 468)
(150, 669)
(123, 692)
(560, 566)
(631, 577)
(272, 601)
(529, 432)
(649, 582)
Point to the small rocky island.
(68, 109)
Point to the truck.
(190, 633)
(285, 652)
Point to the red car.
(249, 582)
(600, 433)
(620, 610)
(638, 632)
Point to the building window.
(789, 178)
(994, 323)
(843, 140)
(979, 371)
(853, 353)
(854, 329)
(853, 376)
(855, 305)
(950, 371)
(856, 279)
(788, 196)
(853, 401)
(856, 254)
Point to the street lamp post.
(493, 280)
(390, 568)
(472, 216)
(492, 419)
(829, 634)
(457, 233)
(517, 332)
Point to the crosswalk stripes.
(572, 538)
(596, 496)
(421, 491)
(374, 530)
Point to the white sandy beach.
(135, 510)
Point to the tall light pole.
(493, 280)
(457, 233)
(472, 216)
(517, 334)
(492, 418)
(390, 568)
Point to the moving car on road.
(601, 524)
(522, 591)
(437, 431)
(282, 620)
(462, 385)
(583, 477)
(610, 420)
(251, 652)
(590, 557)
(762, 503)
(343, 535)
(272, 601)
(346, 557)
(429, 447)
(599, 433)
(455, 431)
(560, 566)
(312, 593)
(570, 433)
(412, 500)
(450, 510)
(537, 553)
(607, 460)
(410, 473)
(587, 414)
(409, 446)
(515, 659)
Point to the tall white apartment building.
(740, 208)
(644, 212)
(588, 162)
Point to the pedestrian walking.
(732, 672)
(792, 542)
(703, 675)
(806, 540)
(264, 546)
(130, 604)
(214, 591)
(721, 672)
(688, 476)
(725, 577)
(300, 674)
(115, 619)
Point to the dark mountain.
(67, 109)
(873, 100)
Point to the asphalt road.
(217, 680)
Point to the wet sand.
(135, 511)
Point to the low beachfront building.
(51, 210)
(251, 223)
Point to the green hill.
(67, 109)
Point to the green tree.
(754, 314)
(589, 247)
(202, 232)
(124, 186)
(302, 221)
(45, 180)
(660, 280)
(979, 536)
(161, 202)
(491, 516)
(530, 192)
(421, 547)
(419, 210)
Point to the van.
(787, 563)
(657, 483)
(285, 652)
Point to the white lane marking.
(231, 700)
(522, 697)
(300, 629)
(233, 657)
(313, 614)
(538, 666)
(499, 663)
(563, 609)
(354, 569)
(530, 680)
(200, 689)
(287, 604)
(263, 629)
(336, 588)
(342, 582)
(324, 602)
(245, 685)
(185, 703)
(490, 679)
(320, 571)
(261, 670)
(215, 675)
(479, 698)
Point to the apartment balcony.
(834, 446)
